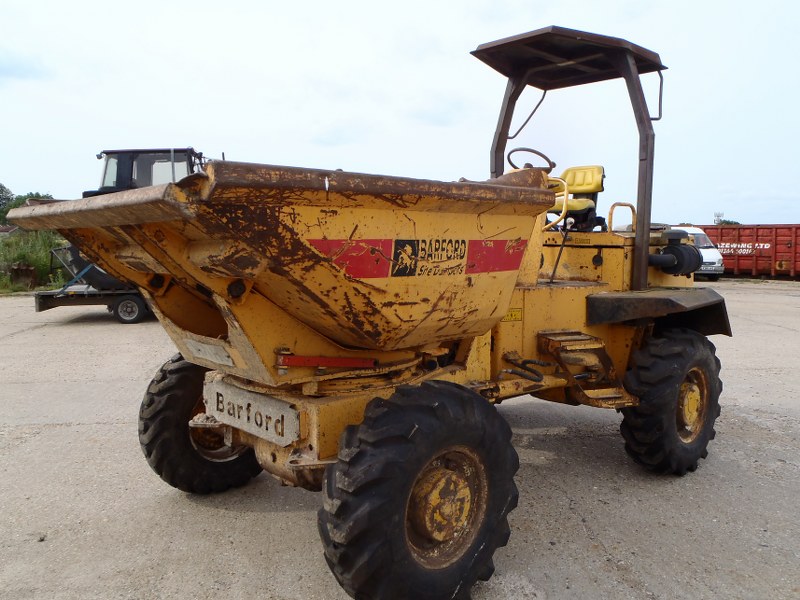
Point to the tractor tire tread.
(649, 429)
(359, 521)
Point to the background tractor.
(353, 333)
(143, 167)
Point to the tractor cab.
(131, 169)
(554, 58)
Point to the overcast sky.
(391, 88)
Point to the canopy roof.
(555, 57)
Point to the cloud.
(438, 114)
(339, 134)
(15, 67)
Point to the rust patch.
(266, 230)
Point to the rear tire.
(676, 377)
(418, 501)
(192, 460)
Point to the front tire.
(676, 377)
(418, 501)
(192, 460)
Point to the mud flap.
(700, 309)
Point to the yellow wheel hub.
(440, 504)
(446, 506)
(692, 405)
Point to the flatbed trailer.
(128, 306)
(91, 286)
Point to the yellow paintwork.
(602, 257)
(554, 307)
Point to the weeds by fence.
(30, 248)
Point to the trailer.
(758, 250)
(126, 305)
(91, 286)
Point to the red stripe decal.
(364, 259)
(358, 258)
(489, 256)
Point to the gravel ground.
(83, 516)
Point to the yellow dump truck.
(353, 333)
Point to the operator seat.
(583, 185)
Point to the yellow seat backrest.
(584, 180)
(581, 182)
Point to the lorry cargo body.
(758, 250)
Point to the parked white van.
(712, 266)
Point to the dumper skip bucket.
(369, 262)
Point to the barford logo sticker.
(405, 258)
(441, 256)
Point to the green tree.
(6, 196)
(7, 207)
(728, 222)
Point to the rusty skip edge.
(514, 193)
(130, 207)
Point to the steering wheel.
(550, 164)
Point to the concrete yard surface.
(83, 516)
